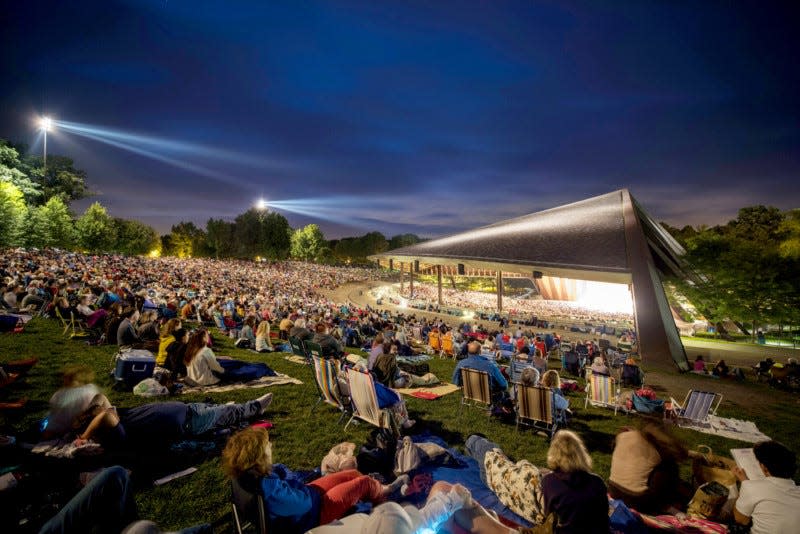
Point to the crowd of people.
(148, 302)
(561, 311)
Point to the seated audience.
(176, 353)
(294, 506)
(772, 504)
(300, 331)
(645, 469)
(263, 343)
(166, 339)
(475, 360)
(126, 332)
(201, 364)
(599, 366)
(71, 401)
(699, 365)
(331, 348)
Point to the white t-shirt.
(199, 370)
(773, 504)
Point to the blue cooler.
(133, 366)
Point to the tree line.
(747, 270)
(35, 212)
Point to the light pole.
(45, 124)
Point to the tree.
(740, 272)
(11, 171)
(403, 240)
(249, 234)
(790, 246)
(185, 241)
(308, 243)
(13, 213)
(135, 238)
(358, 248)
(276, 236)
(60, 179)
(51, 225)
(220, 237)
(96, 230)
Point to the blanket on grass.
(296, 359)
(62, 448)
(429, 393)
(728, 428)
(468, 475)
(263, 382)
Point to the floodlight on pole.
(45, 124)
(261, 204)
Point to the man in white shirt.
(772, 503)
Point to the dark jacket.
(579, 500)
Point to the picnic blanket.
(728, 428)
(296, 359)
(468, 474)
(263, 382)
(429, 393)
(414, 359)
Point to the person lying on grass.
(293, 506)
(163, 421)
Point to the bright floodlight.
(46, 124)
(261, 204)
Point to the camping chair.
(602, 391)
(365, 402)
(475, 390)
(516, 369)
(63, 321)
(326, 374)
(78, 328)
(535, 407)
(697, 405)
(298, 348)
(248, 510)
(447, 345)
(435, 341)
(312, 350)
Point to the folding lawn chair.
(516, 369)
(447, 345)
(697, 406)
(535, 408)
(298, 348)
(326, 374)
(602, 390)
(249, 510)
(365, 402)
(312, 350)
(475, 390)
(435, 341)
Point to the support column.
(411, 280)
(499, 291)
(402, 272)
(439, 282)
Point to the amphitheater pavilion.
(608, 238)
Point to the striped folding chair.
(535, 408)
(602, 391)
(475, 389)
(326, 374)
(697, 406)
(364, 401)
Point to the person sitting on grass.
(771, 503)
(247, 338)
(166, 339)
(645, 469)
(201, 364)
(293, 506)
(263, 343)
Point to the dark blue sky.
(413, 116)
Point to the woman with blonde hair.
(262, 337)
(576, 496)
(292, 505)
(166, 339)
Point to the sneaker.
(264, 401)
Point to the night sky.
(426, 117)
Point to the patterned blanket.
(263, 382)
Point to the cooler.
(133, 366)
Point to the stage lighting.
(261, 204)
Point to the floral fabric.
(517, 485)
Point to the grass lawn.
(301, 437)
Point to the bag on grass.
(709, 467)
(646, 405)
(707, 501)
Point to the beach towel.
(728, 428)
(429, 393)
(263, 382)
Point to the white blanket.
(729, 428)
(263, 382)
